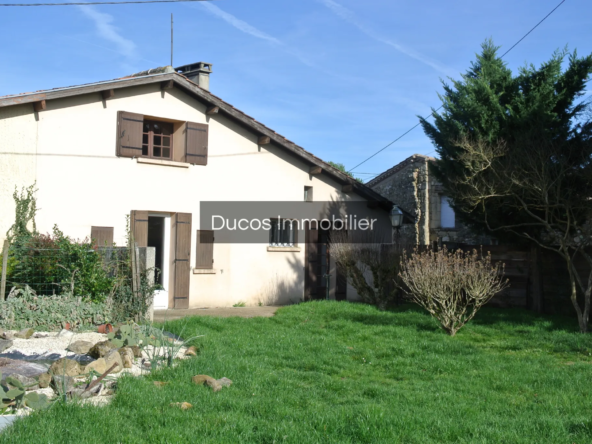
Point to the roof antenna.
(171, 39)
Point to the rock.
(41, 335)
(100, 349)
(44, 380)
(46, 391)
(62, 384)
(82, 393)
(127, 357)
(65, 334)
(80, 347)
(100, 366)
(65, 366)
(137, 351)
(113, 357)
(4, 344)
(25, 333)
(181, 405)
(225, 382)
(191, 351)
(10, 367)
(207, 380)
(28, 383)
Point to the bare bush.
(370, 265)
(451, 286)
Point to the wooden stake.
(4, 266)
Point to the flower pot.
(105, 328)
(67, 326)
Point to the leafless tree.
(544, 189)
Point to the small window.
(157, 139)
(307, 194)
(447, 217)
(282, 233)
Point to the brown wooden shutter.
(311, 264)
(204, 250)
(129, 134)
(179, 142)
(101, 236)
(139, 227)
(196, 140)
(182, 226)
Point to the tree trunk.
(582, 320)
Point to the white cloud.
(106, 30)
(350, 17)
(238, 23)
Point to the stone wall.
(410, 185)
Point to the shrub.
(23, 308)
(451, 286)
(370, 266)
(55, 264)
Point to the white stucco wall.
(69, 150)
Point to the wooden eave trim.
(108, 94)
(80, 90)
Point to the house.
(415, 190)
(160, 147)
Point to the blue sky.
(342, 78)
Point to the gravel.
(50, 345)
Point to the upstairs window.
(166, 139)
(157, 139)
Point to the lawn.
(340, 372)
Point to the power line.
(440, 107)
(100, 3)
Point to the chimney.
(197, 72)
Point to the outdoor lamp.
(396, 217)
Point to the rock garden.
(38, 367)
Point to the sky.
(341, 78)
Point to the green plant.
(161, 348)
(13, 395)
(451, 286)
(128, 335)
(24, 308)
(240, 304)
(25, 211)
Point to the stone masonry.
(414, 189)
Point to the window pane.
(447, 217)
(157, 140)
(167, 130)
(166, 141)
(166, 152)
(146, 127)
(145, 139)
(157, 128)
(156, 151)
(144, 150)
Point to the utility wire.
(440, 107)
(100, 3)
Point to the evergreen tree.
(490, 104)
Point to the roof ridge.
(398, 167)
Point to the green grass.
(339, 372)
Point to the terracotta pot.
(67, 326)
(105, 328)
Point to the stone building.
(415, 190)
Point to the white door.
(159, 236)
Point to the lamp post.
(396, 219)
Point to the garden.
(341, 372)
